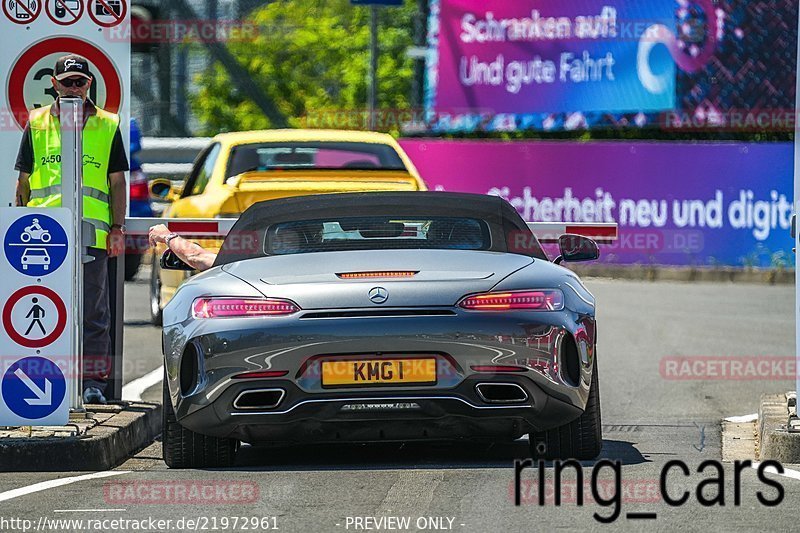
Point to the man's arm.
(23, 194)
(25, 167)
(119, 197)
(119, 201)
(189, 252)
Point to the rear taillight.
(540, 300)
(139, 191)
(370, 275)
(239, 307)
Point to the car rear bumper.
(203, 359)
(460, 413)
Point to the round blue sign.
(34, 387)
(36, 245)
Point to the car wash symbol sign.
(22, 11)
(35, 245)
(34, 388)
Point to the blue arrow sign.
(35, 245)
(33, 387)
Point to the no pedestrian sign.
(34, 317)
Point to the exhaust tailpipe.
(259, 399)
(501, 392)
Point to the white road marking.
(88, 510)
(132, 392)
(787, 472)
(53, 483)
(742, 419)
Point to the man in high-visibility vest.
(104, 202)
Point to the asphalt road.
(650, 418)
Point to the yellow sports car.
(239, 169)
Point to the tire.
(183, 448)
(156, 315)
(132, 262)
(581, 439)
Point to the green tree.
(311, 57)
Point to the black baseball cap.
(72, 65)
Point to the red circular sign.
(113, 12)
(69, 14)
(61, 319)
(22, 11)
(23, 66)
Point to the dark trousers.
(96, 321)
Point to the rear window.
(312, 155)
(377, 233)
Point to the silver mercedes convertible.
(374, 317)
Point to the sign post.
(372, 98)
(71, 110)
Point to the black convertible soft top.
(245, 240)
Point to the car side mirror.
(161, 189)
(170, 261)
(576, 248)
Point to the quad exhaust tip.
(501, 392)
(259, 399)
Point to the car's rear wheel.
(581, 439)
(155, 293)
(183, 448)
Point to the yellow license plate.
(378, 371)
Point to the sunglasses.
(77, 82)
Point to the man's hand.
(158, 234)
(115, 245)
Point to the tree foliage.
(311, 58)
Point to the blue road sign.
(33, 387)
(35, 245)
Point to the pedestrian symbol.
(38, 313)
(36, 245)
(34, 317)
(33, 387)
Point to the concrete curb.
(687, 274)
(774, 442)
(102, 447)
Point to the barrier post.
(71, 118)
(116, 296)
(795, 209)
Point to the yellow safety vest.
(45, 180)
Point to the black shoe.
(94, 395)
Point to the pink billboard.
(676, 203)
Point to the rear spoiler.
(547, 232)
